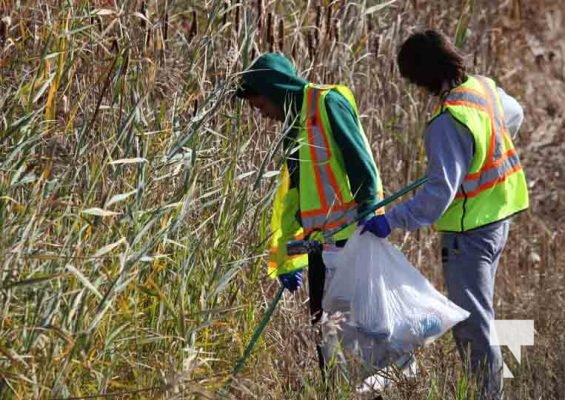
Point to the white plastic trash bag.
(386, 301)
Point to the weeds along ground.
(135, 191)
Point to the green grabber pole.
(380, 204)
(258, 331)
(278, 295)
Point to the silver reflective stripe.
(490, 175)
(479, 100)
(468, 97)
(321, 152)
(321, 166)
(327, 220)
(493, 99)
(498, 119)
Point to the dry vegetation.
(134, 193)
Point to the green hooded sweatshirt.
(273, 75)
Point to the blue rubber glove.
(291, 280)
(377, 225)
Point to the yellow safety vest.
(495, 186)
(325, 200)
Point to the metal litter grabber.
(313, 247)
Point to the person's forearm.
(449, 147)
(423, 209)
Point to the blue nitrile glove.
(291, 280)
(377, 225)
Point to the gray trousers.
(470, 260)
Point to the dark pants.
(316, 280)
(470, 260)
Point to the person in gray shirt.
(475, 184)
(449, 149)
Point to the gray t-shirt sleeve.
(449, 148)
(513, 112)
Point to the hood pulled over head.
(272, 75)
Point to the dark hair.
(428, 59)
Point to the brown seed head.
(270, 32)
(369, 20)
(237, 18)
(337, 29)
(3, 30)
(376, 45)
(226, 12)
(318, 24)
(142, 11)
(165, 26)
(260, 10)
(329, 10)
(193, 27)
(311, 44)
(281, 35)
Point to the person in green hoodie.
(329, 176)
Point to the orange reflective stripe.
(473, 176)
(485, 102)
(494, 187)
(507, 166)
(319, 143)
(331, 201)
(496, 167)
(495, 164)
(467, 90)
(310, 122)
(497, 119)
(331, 176)
(465, 104)
(506, 155)
(490, 154)
(338, 207)
(496, 106)
(329, 225)
(326, 220)
(490, 184)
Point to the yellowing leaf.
(105, 11)
(135, 160)
(84, 280)
(99, 212)
(379, 7)
(108, 248)
(120, 197)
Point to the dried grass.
(134, 193)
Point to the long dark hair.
(428, 59)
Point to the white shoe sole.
(382, 379)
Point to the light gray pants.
(470, 260)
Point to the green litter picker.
(309, 247)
